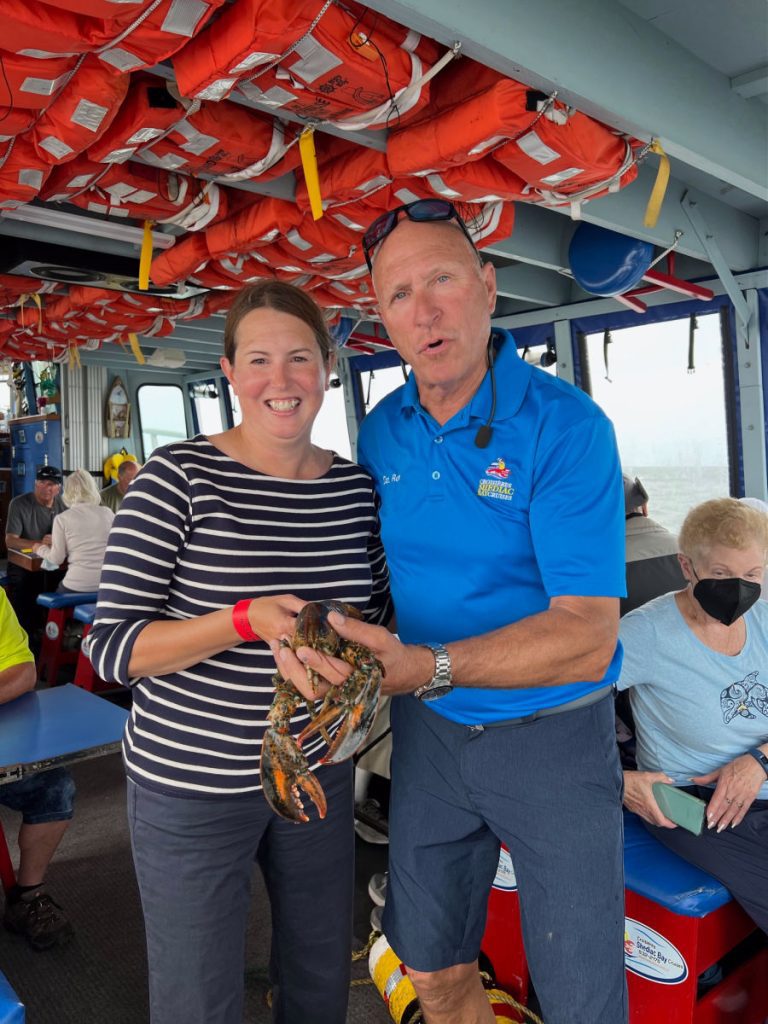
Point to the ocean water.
(673, 490)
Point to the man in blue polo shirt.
(502, 519)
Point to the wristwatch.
(758, 755)
(440, 684)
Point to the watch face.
(434, 692)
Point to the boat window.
(666, 398)
(207, 408)
(330, 428)
(234, 405)
(377, 384)
(161, 415)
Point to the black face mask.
(726, 600)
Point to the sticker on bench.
(505, 873)
(649, 955)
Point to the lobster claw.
(356, 722)
(284, 772)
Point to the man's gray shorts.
(550, 789)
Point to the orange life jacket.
(131, 37)
(133, 190)
(320, 60)
(30, 83)
(22, 175)
(79, 113)
(221, 139)
(548, 146)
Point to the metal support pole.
(751, 401)
(564, 350)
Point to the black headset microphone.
(485, 433)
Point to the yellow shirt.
(14, 646)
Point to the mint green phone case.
(683, 808)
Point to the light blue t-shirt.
(695, 710)
(477, 538)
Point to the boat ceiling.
(691, 74)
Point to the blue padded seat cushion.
(11, 1010)
(84, 612)
(3, 579)
(653, 871)
(56, 600)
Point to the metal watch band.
(442, 676)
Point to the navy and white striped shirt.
(197, 532)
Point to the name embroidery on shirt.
(390, 478)
(495, 483)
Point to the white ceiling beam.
(532, 284)
(753, 83)
(613, 65)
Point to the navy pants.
(194, 861)
(550, 790)
(737, 857)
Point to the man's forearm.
(17, 543)
(554, 647)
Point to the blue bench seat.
(653, 871)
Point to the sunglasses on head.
(422, 211)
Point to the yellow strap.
(74, 357)
(145, 259)
(653, 209)
(35, 296)
(311, 176)
(136, 348)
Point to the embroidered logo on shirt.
(498, 468)
(390, 478)
(497, 486)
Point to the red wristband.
(241, 622)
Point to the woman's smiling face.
(278, 374)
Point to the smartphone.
(683, 808)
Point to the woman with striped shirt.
(219, 543)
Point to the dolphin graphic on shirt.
(741, 698)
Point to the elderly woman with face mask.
(697, 664)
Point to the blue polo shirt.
(477, 538)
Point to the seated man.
(112, 495)
(45, 801)
(30, 519)
(651, 551)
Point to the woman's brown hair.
(284, 298)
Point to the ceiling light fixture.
(50, 217)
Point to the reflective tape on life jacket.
(80, 113)
(22, 176)
(319, 59)
(131, 36)
(133, 190)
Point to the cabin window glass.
(330, 428)
(161, 414)
(234, 405)
(670, 422)
(205, 399)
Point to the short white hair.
(80, 489)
